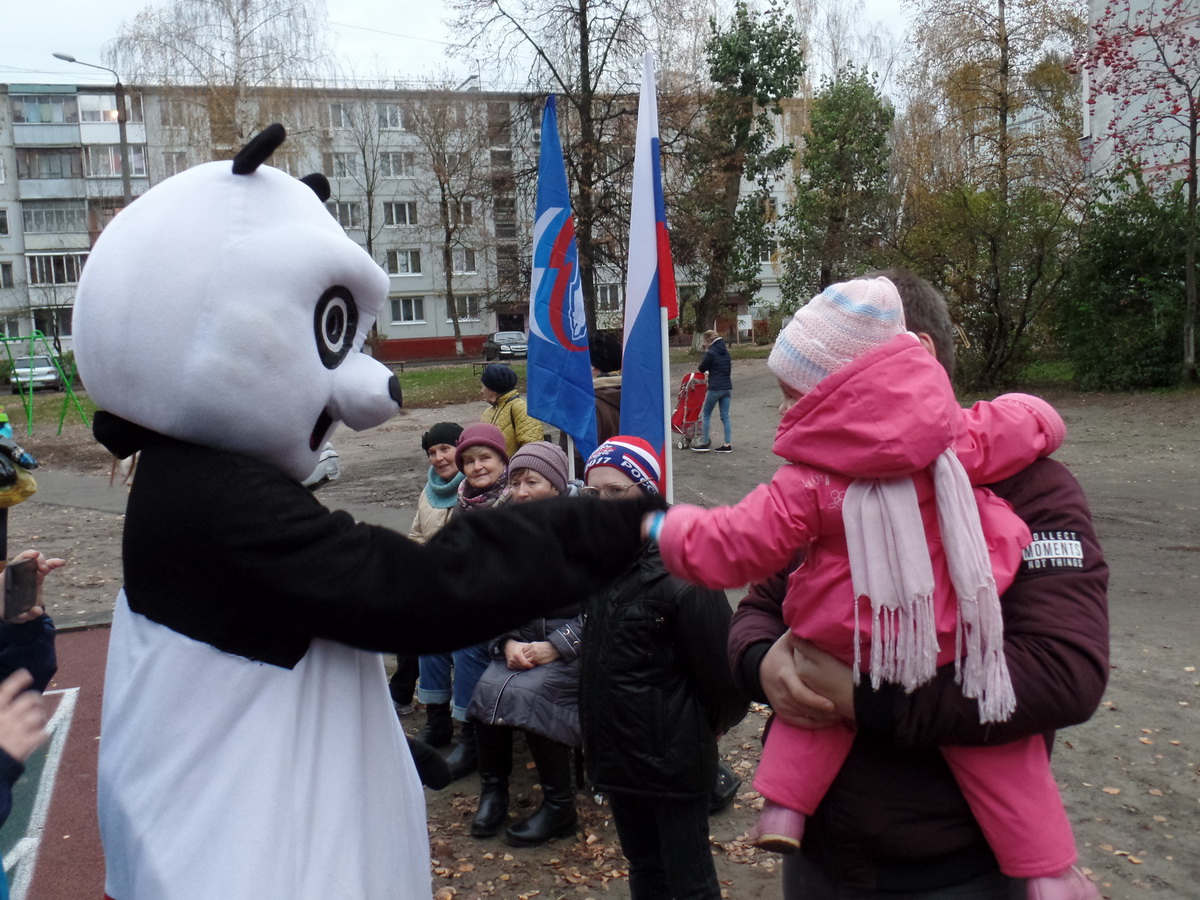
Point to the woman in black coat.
(656, 694)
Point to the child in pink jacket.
(904, 564)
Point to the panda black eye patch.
(335, 324)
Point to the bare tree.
(218, 53)
(586, 51)
(452, 132)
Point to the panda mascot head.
(227, 308)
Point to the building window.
(403, 262)
(104, 161)
(468, 308)
(49, 163)
(767, 254)
(172, 113)
(403, 212)
(6, 275)
(770, 209)
(3, 223)
(461, 212)
(45, 109)
(103, 108)
(341, 165)
(608, 297)
(502, 160)
(174, 162)
(53, 320)
(391, 116)
(347, 214)
(10, 325)
(408, 310)
(338, 115)
(54, 216)
(396, 164)
(504, 211)
(508, 264)
(55, 268)
(463, 260)
(499, 123)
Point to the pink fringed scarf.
(890, 565)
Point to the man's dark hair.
(605, 350)
(925, 310)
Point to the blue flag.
(559, 380)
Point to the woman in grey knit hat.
(532, 684)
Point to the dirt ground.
(1130, 776)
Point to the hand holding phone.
(20, 587)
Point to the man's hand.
(45, 567)
(23, 716)
(514, 655)
(538, 653)
(796, 676)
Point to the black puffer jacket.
(718, 366)
(656, 690)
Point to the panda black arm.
(234, 553)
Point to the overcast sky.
(405, 38)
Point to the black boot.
(494, 746)
(438, 728)
(463, 759)
(431, 768)
(556, 816)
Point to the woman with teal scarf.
(436, 503)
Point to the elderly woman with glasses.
(656, 693)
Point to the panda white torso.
(224, 777)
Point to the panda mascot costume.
(249, 748)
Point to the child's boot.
(1070, 885)
(778, 828)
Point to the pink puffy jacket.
(888, 414)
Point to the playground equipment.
(29, 346)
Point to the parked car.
(34, 372)
(505, 345)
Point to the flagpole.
(669, 450)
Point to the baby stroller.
(685, 420)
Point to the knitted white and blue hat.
(837, 326)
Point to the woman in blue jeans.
(716, 364)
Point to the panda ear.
(319, 184)
(259, 150)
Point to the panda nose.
(395, 391)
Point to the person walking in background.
(717, 365)
(531, 684)
(508, 411)
(481, 456)
(655, 695)
(436, 503)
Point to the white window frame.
(4, 221)
(348, 213)
(392, 207)
(67, 104)
(387, 163)
(462, 212)
(391, 116)
(104, 161)
(38, 265)
(392, 264)
(174, 162)
(7, 276)
(462, 260)
(415, 310)
(608, 297)
(470, 308)
(338, 115)
(59, 313)
(342, 164)
(10, 325)
(54, 217)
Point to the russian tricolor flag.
(650, 298)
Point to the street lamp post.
(122, 117)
